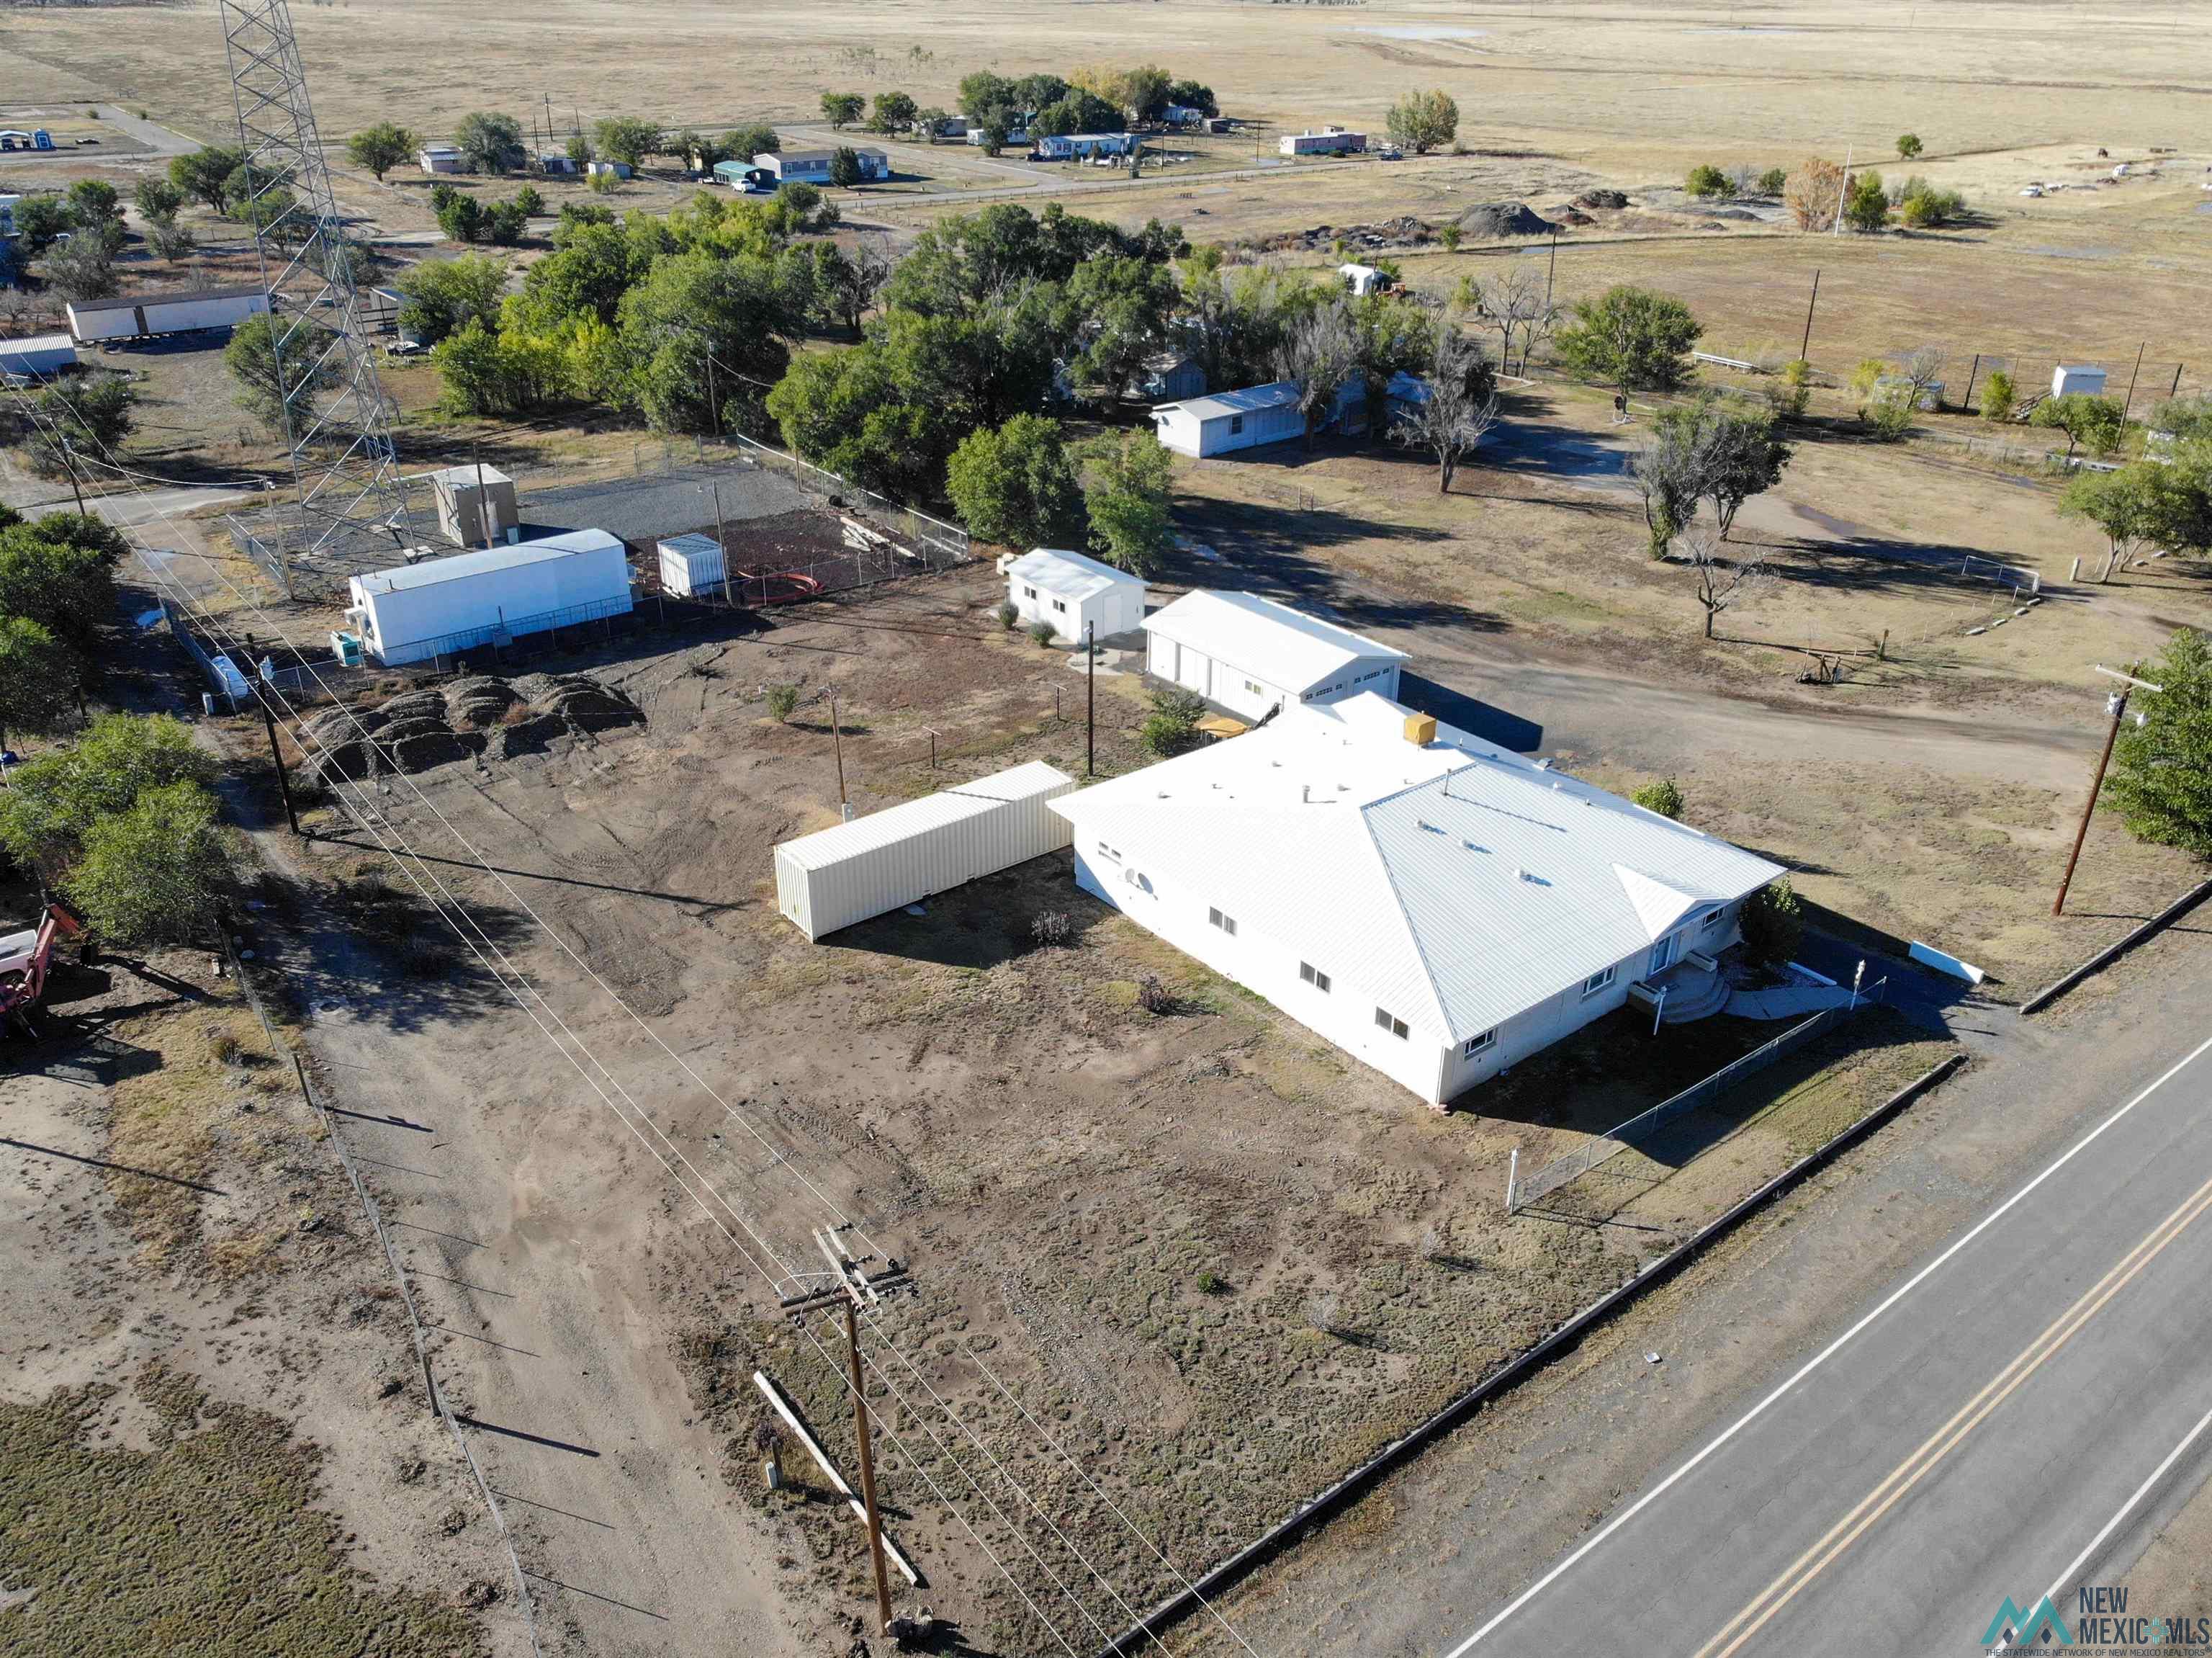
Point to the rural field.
(1176, 1263)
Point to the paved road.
(1961, 1440)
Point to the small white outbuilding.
(1251, 655)
(853, 871)
(692, 567)
(1074, 592)
(2069, 378)
(1200, 426)
(439, 607)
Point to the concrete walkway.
(1787, 1000)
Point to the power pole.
(2117, 706)
(2129, 402)
(1091, 699)
(69, 460)
(729, 595)
(838, 741)
(276, 759)
(1806, 344)
(852, 1284)
(1549, 271)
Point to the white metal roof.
(1284, 646)
(131, 302)
(39, 343)
(1070, 575)
(464, 478)
(694, 545)
(1456, 883)
(1281, 393)
(431, 572)
(898, 823)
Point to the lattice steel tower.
(352, 507)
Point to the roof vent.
(1532, 877)
(1473, 847)
(1543, 765)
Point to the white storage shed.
(441, 158)
(903, 855)
(1200, 426)
(39, 355)
(149, 316)
(1251, 655)
(476, 505)
(1074, 592)
(2069, 378)
(441, 606)
(692, 566)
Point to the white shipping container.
(903, 855)
(692, 566)
(441, 605)
(41, 353)
(144, 316)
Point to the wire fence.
(932, 538)
(418, 1330)
(230, 683)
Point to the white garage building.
(1074, 591)
(1434, 906)
(443, 605)
(1200, 426)
(853, 871)
(1250, 654)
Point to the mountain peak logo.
(2022, 1628)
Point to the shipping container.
(151, 316)
(440, 606)
(903, 855)
(691, 567)
(39, 355)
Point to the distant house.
(557, 164)
(7, 215)
(1015, 135)
(1183, 116)
(1169, 376)
(1438, 908)
(1329, 141)
(1201, 426)
(812, 166)
(743, 175)
(1364, 279)
(1404, 395)
(443, 158)
(608, 169)
(39, 355)
(1251, 655)
(1083, 146)
(1075, 594)
(951, 127)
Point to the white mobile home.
(1434, 906)
(1082, 146)
(1015, 135)
(856, 870)
(812, 166)
(153, 316)
(1200, 426)
(39, 355)
(1329, 141)
(442, 605)
(1074, 592)
(1251, 655)
(693, 567)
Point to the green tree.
(1706, 179)
(96, 209)
(1665, 470)
(1194, 94)
(82, 268)
(1924, 207)
(1773, 181)
(1866, 203)
(758, 140)
(381, 148)
(2161, 775)
(1128, 486)
(93, 414)
(1739, 456)
(155, 873)
(1077, 111)
(692, 307)
(205, 175)
(156, 198)
(894, 112)
(1908, 146)
(1422, 121)
(59, 574)
(492, 141)
(39, 679)
(54, 801)
(438, 296)
(1998, 396)
(1320, 352)
(42, 220)
(1121, 307)
(1172, 728)
(1773, 923)
(2093, 422)
(579, 153)
(845, 167)
(1663, 797)
(278, 380)
(627, 139)
(461, 216)
(1016, 485)
(1391, 334)
(2128, 506)
(842, 109)
(1630, 338)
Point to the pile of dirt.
(1490, 220)
(1574, 215)
(1597, 199)
(480, 715)
(1405, 231)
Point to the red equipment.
(25, 956)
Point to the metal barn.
(855, 870)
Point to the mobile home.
(442, 605)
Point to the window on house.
(1253, 686)
(1060, 606)
(1597, 981)
(1313, 976)
(1475, 1045)
(1235, 424)
(1385, 1021)
(1227, 923)
(1029, 592)
(1712, 916)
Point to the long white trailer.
(441, 607)
(157, 316)
(39, 355)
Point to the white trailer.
(443, 605)
(155, 316)
(847, 873)
(2071, 378)
(692, 566)
(37, 356)
(1200, 426)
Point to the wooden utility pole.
(1806, 344)
(837, 742)
(868, 1464)
(2117, 706)
(276, 759)
(729, 591)
(2132, 375)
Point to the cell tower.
(352, 507)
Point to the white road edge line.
(1818, 1360)
(2114, 1523)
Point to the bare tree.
(1723, 583)
(1319, 355)
(1513, 304)
(1461, 408)
(1922, 371)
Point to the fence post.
(1512, 1179)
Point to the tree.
(2094, 421)
(1774, 181)
(845, 167)
(278, 380)
(1866, 203)
(1814, 194)
(39, 679)
(57, 576)
(627, 139)
(205, 175)
(1144, 91)
(1319, 354)
(54, 801)
(506, 222)
(894, 112)
(1128, 483)
(1630, 338)
(1665, 472)
(1908, 146)
(1461, 406)
(1738, 456)
(96, 209)
(1422, 121)
(1773, 923)
(438, 296)
(1723, 583)
(170, 241)
(2126, 505)
(43, 220)
(691, 307)
(1016, 485)
(983, 90)
(1793, 389)
(492, 141)
(1194, 95)
(1924, 207)
(1706, 179)
(1172, 728)
(1663, 797)
(1234, 322)
(1514, 303)
(842, 109)
(1078, 111)
(580, 152)
(759, 138)
(1922, 370)
(1391, 334)
(95, 414)
(156, 198)
(1998, 396)
(2161, 774)
(81, 268)
(155, 873)
(381, 148)
(461, 216)
(1122, 306)
(847, 284)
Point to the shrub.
(1890, 417)
(782, 702)
(1998, 396)
(1155, 997)
(1172, 728)
(1449, 237)
(1772, 181)
(1009, 613)
(1211, 1282)
(1706, 179)
(1794, 389)
(1664, 797)
(1052, 927)
(1773, 923)
(1043, 632)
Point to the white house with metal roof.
(1435, 906)
(1250, 655)
(1200, 426)
(438, 606)
(1074, 592)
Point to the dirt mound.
(478, 701)
(1609, 199)
(479, 714)
(1405, 231)
(579, 699)
(1492, 219)
(1575, 216)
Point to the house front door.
(1662, 957)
